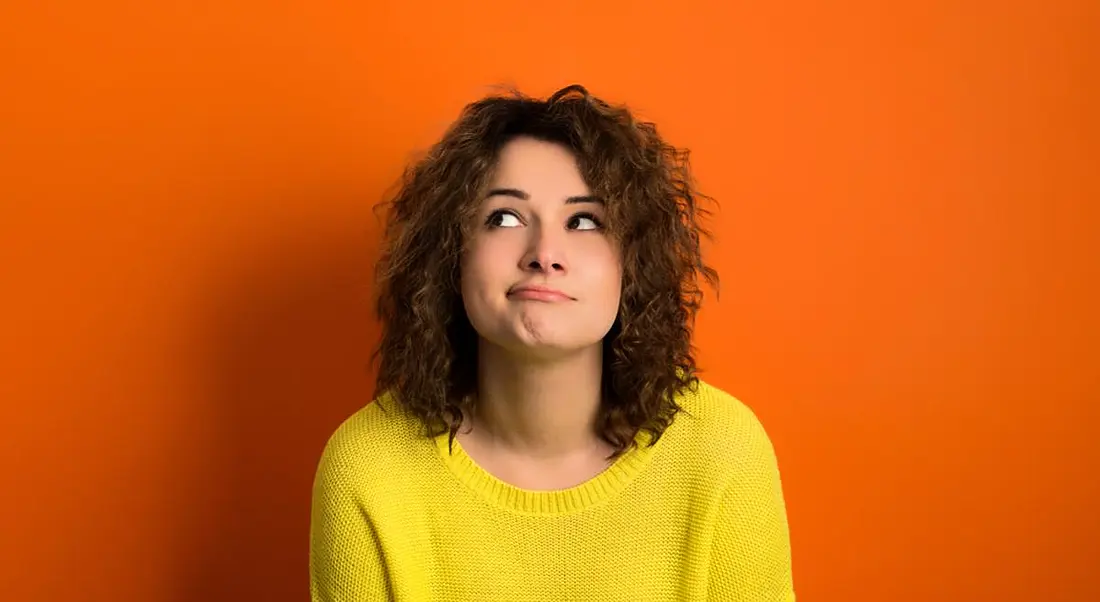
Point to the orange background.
(907, 239)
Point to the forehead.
(539, 168)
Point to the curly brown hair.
(428, 348)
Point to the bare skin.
(541, 285)
(534, 427)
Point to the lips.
(538, 293)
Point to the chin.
(536, 337)
(546, 349)
(543, 353)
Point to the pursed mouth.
(539, 293)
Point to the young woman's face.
(540, 276)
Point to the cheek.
(471, 275)
(480, 268)
(615, 285)
(607, 272)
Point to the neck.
(539, 408)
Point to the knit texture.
(698, 516)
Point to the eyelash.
(580, 215)
(587, 215)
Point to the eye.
(503, 219)
(584, 221)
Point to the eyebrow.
(523, 196)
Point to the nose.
(546, 253)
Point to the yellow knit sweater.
(698, 516)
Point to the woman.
(540, 432)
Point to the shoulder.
(715, 416)
(378, 440)
(721, 432)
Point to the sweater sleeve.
(345, 558)
(751, 558)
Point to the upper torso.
(652, 526)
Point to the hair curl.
(428, 349)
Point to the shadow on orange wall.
(286, 357)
